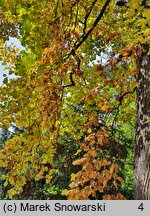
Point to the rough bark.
(142, 148)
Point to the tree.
(142, 153)
(78, 74)
(142, 163)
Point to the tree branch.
(88, 14)
(123, 95)
(120, 103)
(71, 80)
(145, 4)
(85, 36)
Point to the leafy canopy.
(77, 76)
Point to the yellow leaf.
(11, 180)
(79, 150)
(11, 193)
(65, 192)
(39, 176)
(89, 130)
(112, 168)
(48, 179)
(22, 180)
(77, 162)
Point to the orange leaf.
(120, 179)
(105, 108)
(93, 153)
(115, 184)
(84, 147)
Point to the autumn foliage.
(76, 76)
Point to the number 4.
(141, 207)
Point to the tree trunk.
(142, 148)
